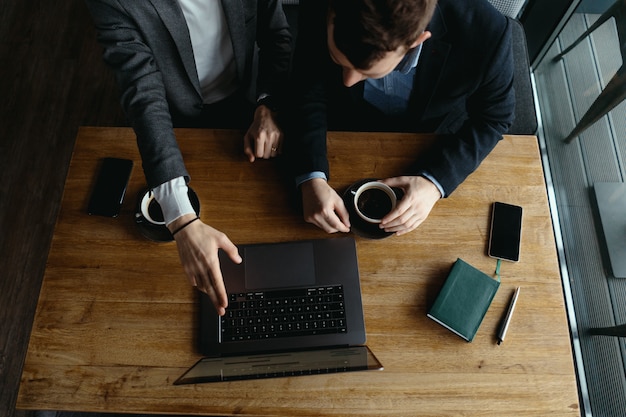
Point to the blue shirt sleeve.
(434, 181)
(311, 175)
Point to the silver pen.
(507, 320)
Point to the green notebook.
(464, 299)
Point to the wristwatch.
(268, 101)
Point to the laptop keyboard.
(284, 313)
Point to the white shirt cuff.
(173, 198)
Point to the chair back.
(525, 122)
(511, 8)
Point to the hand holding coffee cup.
(374, 200)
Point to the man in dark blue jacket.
(444, 67)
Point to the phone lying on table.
(506, 232)
(108, 193)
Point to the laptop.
(293, 306)
(277, 284)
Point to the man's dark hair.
(365, 30)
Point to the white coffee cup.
(373, 200)
(151, 210)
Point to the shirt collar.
(409, 61)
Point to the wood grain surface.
(52, 80)
(115, 322)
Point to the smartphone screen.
(108, 193)
(506, 231)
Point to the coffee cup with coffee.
(374, 200)
(149, 216)
(151, 210)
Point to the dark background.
(52, 80)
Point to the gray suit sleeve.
(143, 93)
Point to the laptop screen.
(310, 362)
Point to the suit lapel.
(233, 9)
(430, 66)
(172, 16)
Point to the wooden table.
(115, 323)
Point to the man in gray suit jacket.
(190, 63)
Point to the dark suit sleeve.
(305, 144)
(274, 40)
(490, 109)
(143, 94)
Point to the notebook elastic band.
(498, 269)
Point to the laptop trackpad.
(280, 265)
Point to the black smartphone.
(506, 231)
(108, 193)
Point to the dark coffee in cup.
(151, 210)
(373, 200)
(154, 209)
(374, 203)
